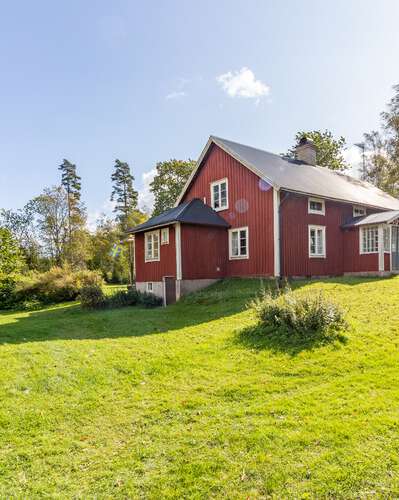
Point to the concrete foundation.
(183, 287)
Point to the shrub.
(56, 285)
(307, 316)
(92, 297)
(149, 300)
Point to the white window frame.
(317, 212)
(150, 287)
(359, 208)
(219, 183)
(317, 255)
(240, 256)
(387, 230)
(165, 231)
(361, 231)
(146, 237)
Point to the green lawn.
(179, 403)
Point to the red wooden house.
(246, 212)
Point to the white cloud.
(353, 156)
(106, 209)
(242, 83)
(176, 95)
(146, 198)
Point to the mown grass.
(179, 403)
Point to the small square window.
(165, 236)
(358, 211)
(316, 206)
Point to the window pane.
(243, 242)
(316, 206)
(216, 202)
(234, 244)
(320, 245)
(223, 194)
(312, 242)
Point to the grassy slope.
(174, 403)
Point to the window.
(238, 243)
(150, 287)
(358, 211)
(219, 195)
(165, 236)
(369, 239)
(316, 206)
(387, 239)
(317, 241)
(152, 246)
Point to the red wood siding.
(155, 271)
(295, 239)
(204, 252)
(354, 261)
(250, 204)
(387, 262)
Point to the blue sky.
(92, 81)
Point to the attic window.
(358, 211)
(316, 206)
(165, 236)
(219, 195)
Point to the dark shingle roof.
(379, 218)
(190, 212)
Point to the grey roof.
(379, 218)
(292, 175)
(190, 212)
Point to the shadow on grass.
(259, 338)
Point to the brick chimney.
(305, 151)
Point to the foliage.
(382, 150)
(166, 403)
(51, 211)
(76, 244)
(93, 297)
(56, 285)
(310, 316)
(21, 225)
(168, 182)
(11, 262)
(123, 193)
(329, 150)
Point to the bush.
(56, 285)
(92, 297)
(308, 316)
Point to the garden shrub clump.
(306, 316)
(56, 285)
(93, 297)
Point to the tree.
(382, 149)
(329, 151)
(76, 246)
(123, 193)
(51, 214)
(11, 262)
(169, 181)
(21, 225)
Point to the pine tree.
(76, 244)
(123, 193)
(72, 185)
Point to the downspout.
(280, 237)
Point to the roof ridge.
(251, 147)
